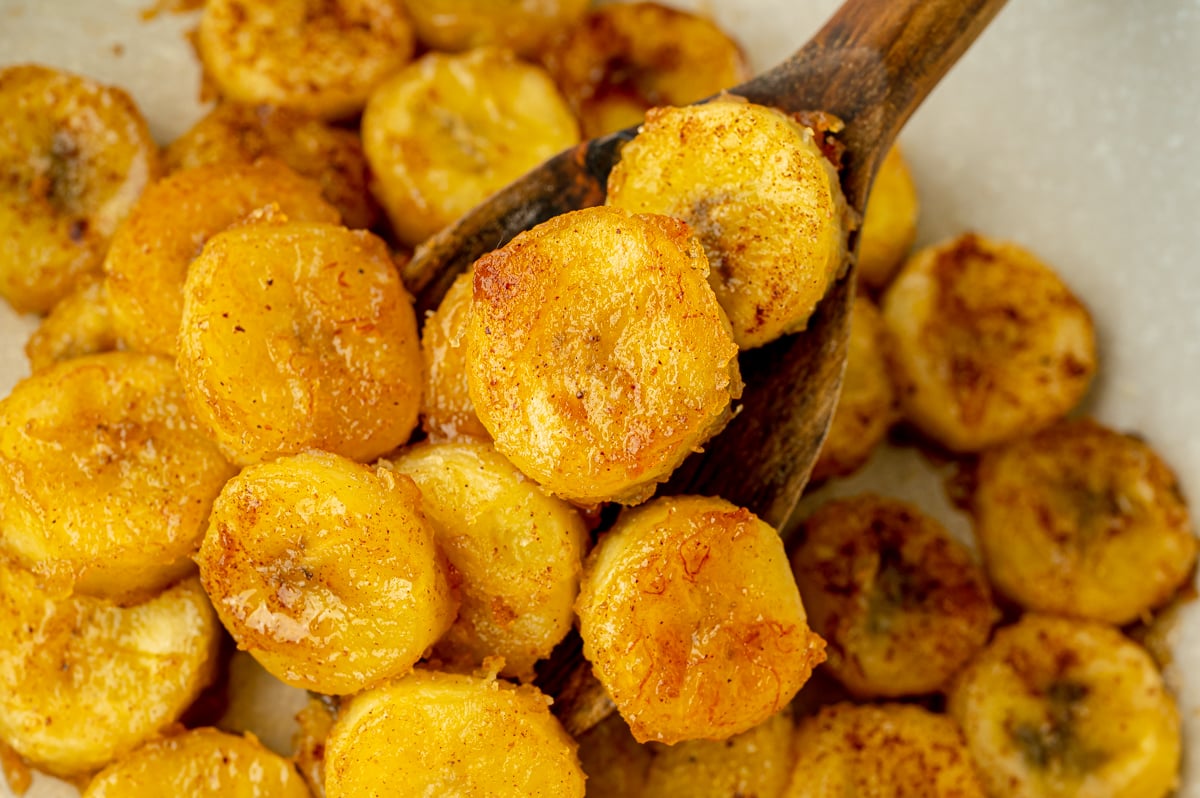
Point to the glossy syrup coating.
(74, 157)
(298, 336)
(447, 734)
(626, 58)
(866, 408)
(525, 26)
(79, 324)
(692, 621)
(319, 58)
(1055, 708)
(448, 131)
(900, 603)
(757, 762)
(598, 356)
(447, 412)
(329, 156)
(1080, 520)
(202, 763)
(889, 224)
(150, 255)
(86, 681)
(987, 343)
(517, 551)
(106, 479)
(762, 198)
(881, 751)
(326, 571)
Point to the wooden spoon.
(871, 65)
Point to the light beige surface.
(1070, 128)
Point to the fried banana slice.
(445, 734)
(1083, 521)
(86, 681)
(525, 26)
(319, 57)
(889, 224)
(692, 621)
(74, 158)
(762, 198)
(79, 324)
(598, 357)
(1055, 708)
(448, 131)
(757, 762)
(447, 412)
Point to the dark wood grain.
(871, 65)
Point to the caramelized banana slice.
(692, 621)
(625, 58)
(987, 343)
(616, 764)
(319, 57)
(764, 201)
(331, 157)
(525, 26)
(79, 324)
(447, 410)
(151, 252)
(86, 681)
(449, 130)
(445, 734)
(883, 751)
(198, 764)
(1058, 708)
(898, 600)
(105, 478)
(598, 357)
(298, 336)
(325, 571)
(889, 224)
(1080, 520)
(867, 406)
(74, 157)
(755, 763)
(517, 550)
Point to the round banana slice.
(1083, 521)
(198, 764)
(525, 26)
(447, 410)
(762, 198)
(449, 130)
(322, 59)
(151, 252)
(79, 324)
(105, 478)
(86, 681)
(74, 157)
(755, 763)
(298, 336)
(889, 224)
(517, 550)
(987, 343)
(1055, 708)
(445, 734)
(625, 58)
(331, 157)
(692, 621)
(882, 751)
(616, 764)
(598, 357)
(899, 602)
(326, 572)
(867, 407)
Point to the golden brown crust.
(900, 603)
(78, 324)
(447, 412)
(1080, 520)
(598, 357)
(525, 26)
(889, 224)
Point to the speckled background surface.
(1071, 128)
